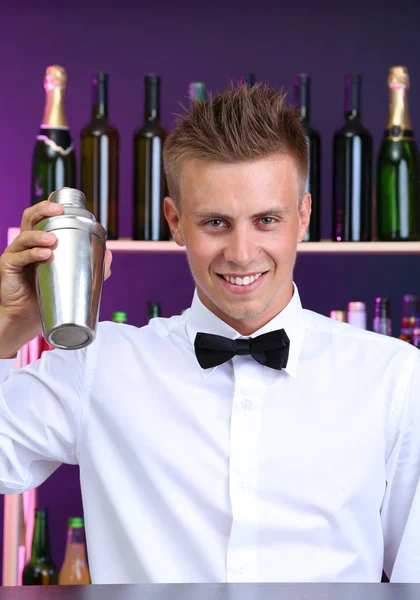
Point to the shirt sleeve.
(401, 507)
(40, 415)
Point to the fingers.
(32, 215)
(32, 239)
(16, 261)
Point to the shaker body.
(69, 284)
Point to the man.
(248, 439)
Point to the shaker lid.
(68, 195)
(75, 215)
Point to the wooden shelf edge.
(128, 246)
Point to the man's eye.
(215, 223)
(268, 220)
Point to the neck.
(252, 323)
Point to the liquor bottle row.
(382, 323)
(54, 162)
(397, 184)
(42, 570)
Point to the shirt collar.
(200, 318)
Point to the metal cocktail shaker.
(69, 284)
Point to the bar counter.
(219, 591)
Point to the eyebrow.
(276, 212)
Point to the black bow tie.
(269, 349)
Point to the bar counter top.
(219, 591)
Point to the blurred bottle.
(410, 317)
(352, 171)
(356, 314)
(150, 187)
(247, 79)
(398, 167)
(338, 315)
(302, 101)
(153, 310)
(119, 317)
(74, 570)
(53, 159)
(99, 160)
(382, 316)
(416, 337)
(197, 91)
(40, 570)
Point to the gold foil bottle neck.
(55, 77)
(55, 85)
(399, 122)
(398, 77)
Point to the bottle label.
(57, 138)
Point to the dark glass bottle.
(53, 159)
(153, 310)
(40, 570)
(302, 101)
(99, 164)
(382, 316)
(398, 168)
(150, 187)
(352, 171)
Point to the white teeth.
(242, 280)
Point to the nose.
(241, 248)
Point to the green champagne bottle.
(40, 570)
(53, 160)
(398, 168)
(99, 160)
(150, 186)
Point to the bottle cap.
(76, 522)
(357, 306)
(398, 77)
(338, 315)
(119, 317)
(152, 78)
(55, 76)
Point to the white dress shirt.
(238, 473)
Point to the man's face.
(241, 224)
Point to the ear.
(304, 215)
(173, 217)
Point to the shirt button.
(246, 404)
(242, 568)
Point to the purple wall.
(211, 42)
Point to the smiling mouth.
(242, 281)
